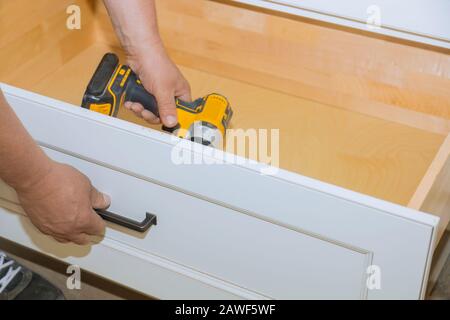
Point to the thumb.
(183, 91)
(167, 109)
(99, 200)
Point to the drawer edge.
(434, 36)
(433, 193)
(406, 212)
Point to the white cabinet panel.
(123, 264)
(281, 236)
(419, 20)
(257, 255)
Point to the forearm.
(135, 24)
(22, 162)
(137, 29)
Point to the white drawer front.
(281, 236)
(257, 255)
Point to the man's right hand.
(137, 29)
(60, 204)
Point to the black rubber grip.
(137, 93)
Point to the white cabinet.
(282, 236)
(416, 20)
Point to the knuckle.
(80, 240)
(80, 221)
(60, 240)
(137, 107)
(77, 241)
(148, 115)
(63, 232)
(45, 229)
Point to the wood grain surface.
(363, 113)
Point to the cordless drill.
(204, 120)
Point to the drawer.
(210, 238)
(253, 235)
(363, 149)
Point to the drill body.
(204, 120)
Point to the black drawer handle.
(150, 220)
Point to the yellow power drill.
(204, 120)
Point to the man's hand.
(137, 29)
(161, 77)
(60, 205)
(57, 198)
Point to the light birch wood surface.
(364, 113)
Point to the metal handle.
(150, 220)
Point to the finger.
(167, 109)
(80, 239)
(128, 105)
(143, 113)
(93, 224)
(89, 222)
(137, 108)
(150, 117)
(61, 240)
(184, 91)
(99, 200)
